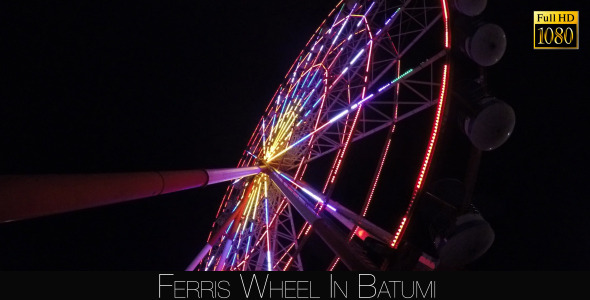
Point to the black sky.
(155, 86)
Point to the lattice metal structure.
(366, 96)
(368, 68)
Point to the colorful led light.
(276, 133)
(357, 56)
(210, 261)
(392, 16)
(446, 21)
(269, 261)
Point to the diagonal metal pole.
(335, 240)
(29, 196)
(345, 216)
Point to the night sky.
(144, 86)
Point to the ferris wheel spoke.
(343, 113)
(387, 120)
(345, 216)
(323, 227)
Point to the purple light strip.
(340, 31)
(315, 197)
(359, 22)
(209, 263)
(392, 16)
(267, 236)
(263, 134)
(357, 56)
(365, 15)
(338, 116)
(336, 18)
(383, 87)
(308, 192)
(369, 9)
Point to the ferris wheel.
(337, 165)
(373, 70)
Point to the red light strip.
(308, 229)
(384, 153)
(334, 263)
(427, 159)
(351, 132)
(446, 20)
(288, 263)
(303, 229)
(374, 185)
(284, 254)
(377, 176)
(369, 55)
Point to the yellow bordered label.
(556, 30)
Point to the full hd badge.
(556, 30)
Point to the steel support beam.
(335, 240)
(29, 196)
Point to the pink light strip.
(426, 163)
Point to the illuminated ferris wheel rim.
(338, 76)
